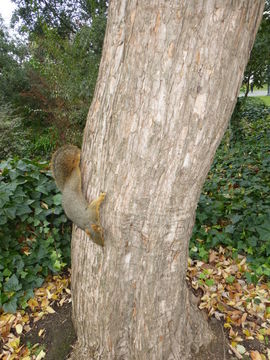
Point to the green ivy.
(234, 207)
(34, 231)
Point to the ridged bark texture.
(168, 81)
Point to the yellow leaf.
(40, 292)
(38, 316)
(238, 339)
(260, 337)
(248, 334)
(14, 343)
(13, 357)
(7, 318)
(25, 318)
(50, 310)
(19, 329)
(49, 295)
(255, 355)
(41, 332)
(41, 355)
(33, 303)
(44, 302)
(44, 205)
(62, 302)
(17, 351)
(226, 325)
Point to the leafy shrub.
(234, 207)
(252, 108)
(247, 110)
(13, 139)
(19, 139)
(43, 143)
(34, 232)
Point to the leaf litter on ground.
(54, 292)
(244, 308)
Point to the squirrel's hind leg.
(95, 230)
(95, 205)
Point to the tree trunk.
(247, 87)
(168, 81)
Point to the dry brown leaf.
(212, 256)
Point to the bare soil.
(59, 338)
(59, 334)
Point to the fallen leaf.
(33, 303)
(241, 349)
(50, 310)
(14, 344)
(19, 329)
(236, 353)
(41, 332)
(212, 256)
(255, 355)
(41, 355)
(260, 337)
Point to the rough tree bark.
(168, 81)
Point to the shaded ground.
(219, 348)
(59, 338)
(58, 335)
(238, 314)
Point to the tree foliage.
(257, 70)
(66, 17)
(50, 80)
(13, 77)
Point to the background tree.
(13, 78)
(56, 78)
(161, 106)
(256, 72)
(65, 16)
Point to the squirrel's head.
(64, 161)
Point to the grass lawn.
(265, 99)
